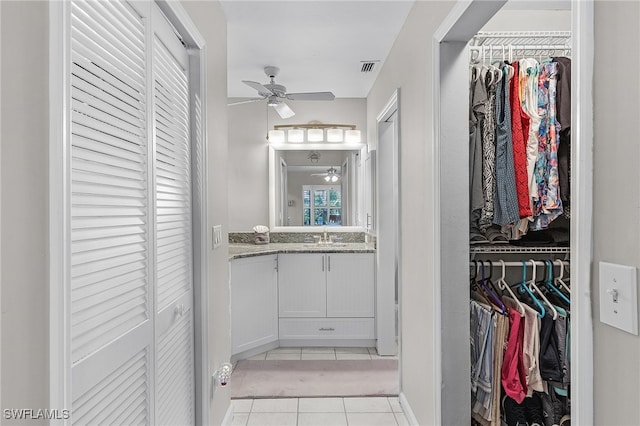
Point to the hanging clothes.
(520, 133)
(506, 199)
(548, 205)
(477, 113)
(489, 173)
(563, 101)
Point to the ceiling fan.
(331, 175)
(275, 94)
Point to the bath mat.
(308, 379)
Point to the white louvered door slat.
(110, 316)
(175, 384)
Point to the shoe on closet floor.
(533, 410)
(514, 413)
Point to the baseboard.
(228, 417)
(408, 412)
(254, 351)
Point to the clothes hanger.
(532, 286)
(491, 295)
(502, 284)
(549, 283)
(559, 282)
(522, 287)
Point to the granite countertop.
(237, 251)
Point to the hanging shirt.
(506, 199)
(489, 151)
(513, 374)
(477, 102)
(520, 136)
(529, 71)
(548, 205)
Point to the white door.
(129, 313)
(174, 328)
(350, 285)
(387, 233)
(254, 302)
(302, 290)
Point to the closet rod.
(497, 264)
(497, 49)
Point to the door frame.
(450, 67)
(59, 202)
(385, 294)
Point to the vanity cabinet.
(326, 296)
(254, 302)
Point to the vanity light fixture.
(295, 135)
(315, 133)
(276, 136)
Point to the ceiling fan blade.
(283, 110)
(263, 91)
(246, 101)
(311, 96)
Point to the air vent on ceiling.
(367, 66)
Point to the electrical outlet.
(217, 236)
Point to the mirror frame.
(273, 208)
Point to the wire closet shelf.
(489, 45)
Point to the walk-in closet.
(519, 227)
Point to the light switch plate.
(619, 296)
(217, 236)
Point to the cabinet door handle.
(323, 263)
(329, 263)
(326, 329)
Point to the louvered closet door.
(110, 311)
(175, 394)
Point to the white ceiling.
(317, 44)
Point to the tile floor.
(375, 411)
(316, 353)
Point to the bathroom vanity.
(291, 294)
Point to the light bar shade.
(334, 135)
(315, 135)
(352, 136)
(296, 135)
(276, 136)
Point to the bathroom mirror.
(310, 189)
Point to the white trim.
(386, 309)
(179, 18)
(59, 101)
(582, 17)
(408, 412)
(228, 417)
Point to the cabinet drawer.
(327, 328)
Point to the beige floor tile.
(273, 419)
(258, 357)
(401, 419)
(281, 356)
(353, 356)
(276, 405)
(322, 419)
(352, 351)
(319, 356)
(240, 419)
(367, 405)
(371, 419)
(241, 405)
(321, 405)
(285, 351)
(318, 350)
(395, 404)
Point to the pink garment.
(514, 379)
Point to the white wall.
(211, 23)
(408, 67)
(24, 192)
(616, 201)
(248, 161)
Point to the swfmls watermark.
(35, 414)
